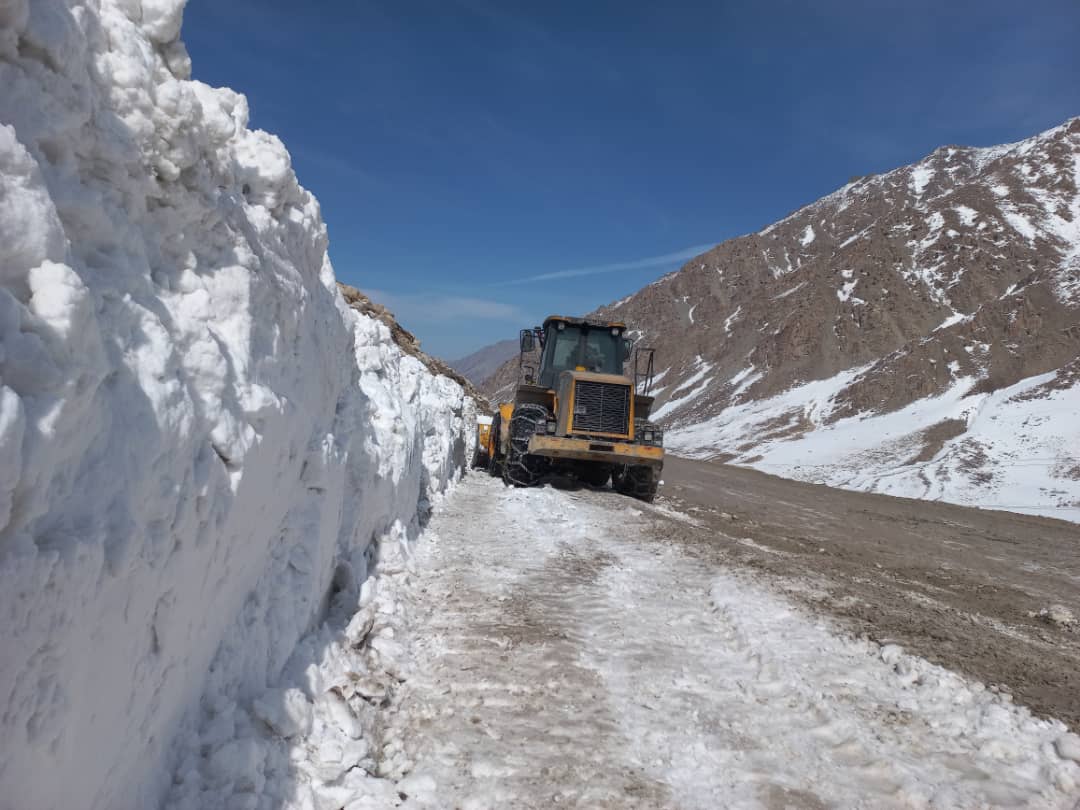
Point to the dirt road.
(579, 649)
(961, 587)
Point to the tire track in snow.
(569, 652)
(501, 711)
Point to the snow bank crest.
(199, 441)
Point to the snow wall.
(199, 441)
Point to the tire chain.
(520, 468)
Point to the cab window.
(573, 346)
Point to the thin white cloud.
(636, 264)
(412, 308)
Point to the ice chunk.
(338, 711)
(1067, 746)
(287, 712)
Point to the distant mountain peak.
(484, 362)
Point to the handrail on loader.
(644, 377)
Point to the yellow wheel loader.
(580, 414)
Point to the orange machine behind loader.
(481, 453)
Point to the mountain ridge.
(481, 364)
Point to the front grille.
(601, 407)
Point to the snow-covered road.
(567, 651)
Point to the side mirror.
(528, 342)
(627, 348)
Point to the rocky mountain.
(481, 364)
(914, 332)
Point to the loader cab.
(570, 344)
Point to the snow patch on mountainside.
(920, 177)
(201, 445)
(734, 316)
(693, 385)
(1012, 449)
(967, 215)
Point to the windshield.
(594, 349)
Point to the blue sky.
(481, 163)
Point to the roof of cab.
(584, 322)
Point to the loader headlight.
(646, 433)
(652, 436)
(550, 427)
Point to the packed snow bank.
(1012, 449)
(199, 441)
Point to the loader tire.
(519, 467)
(639, 481)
